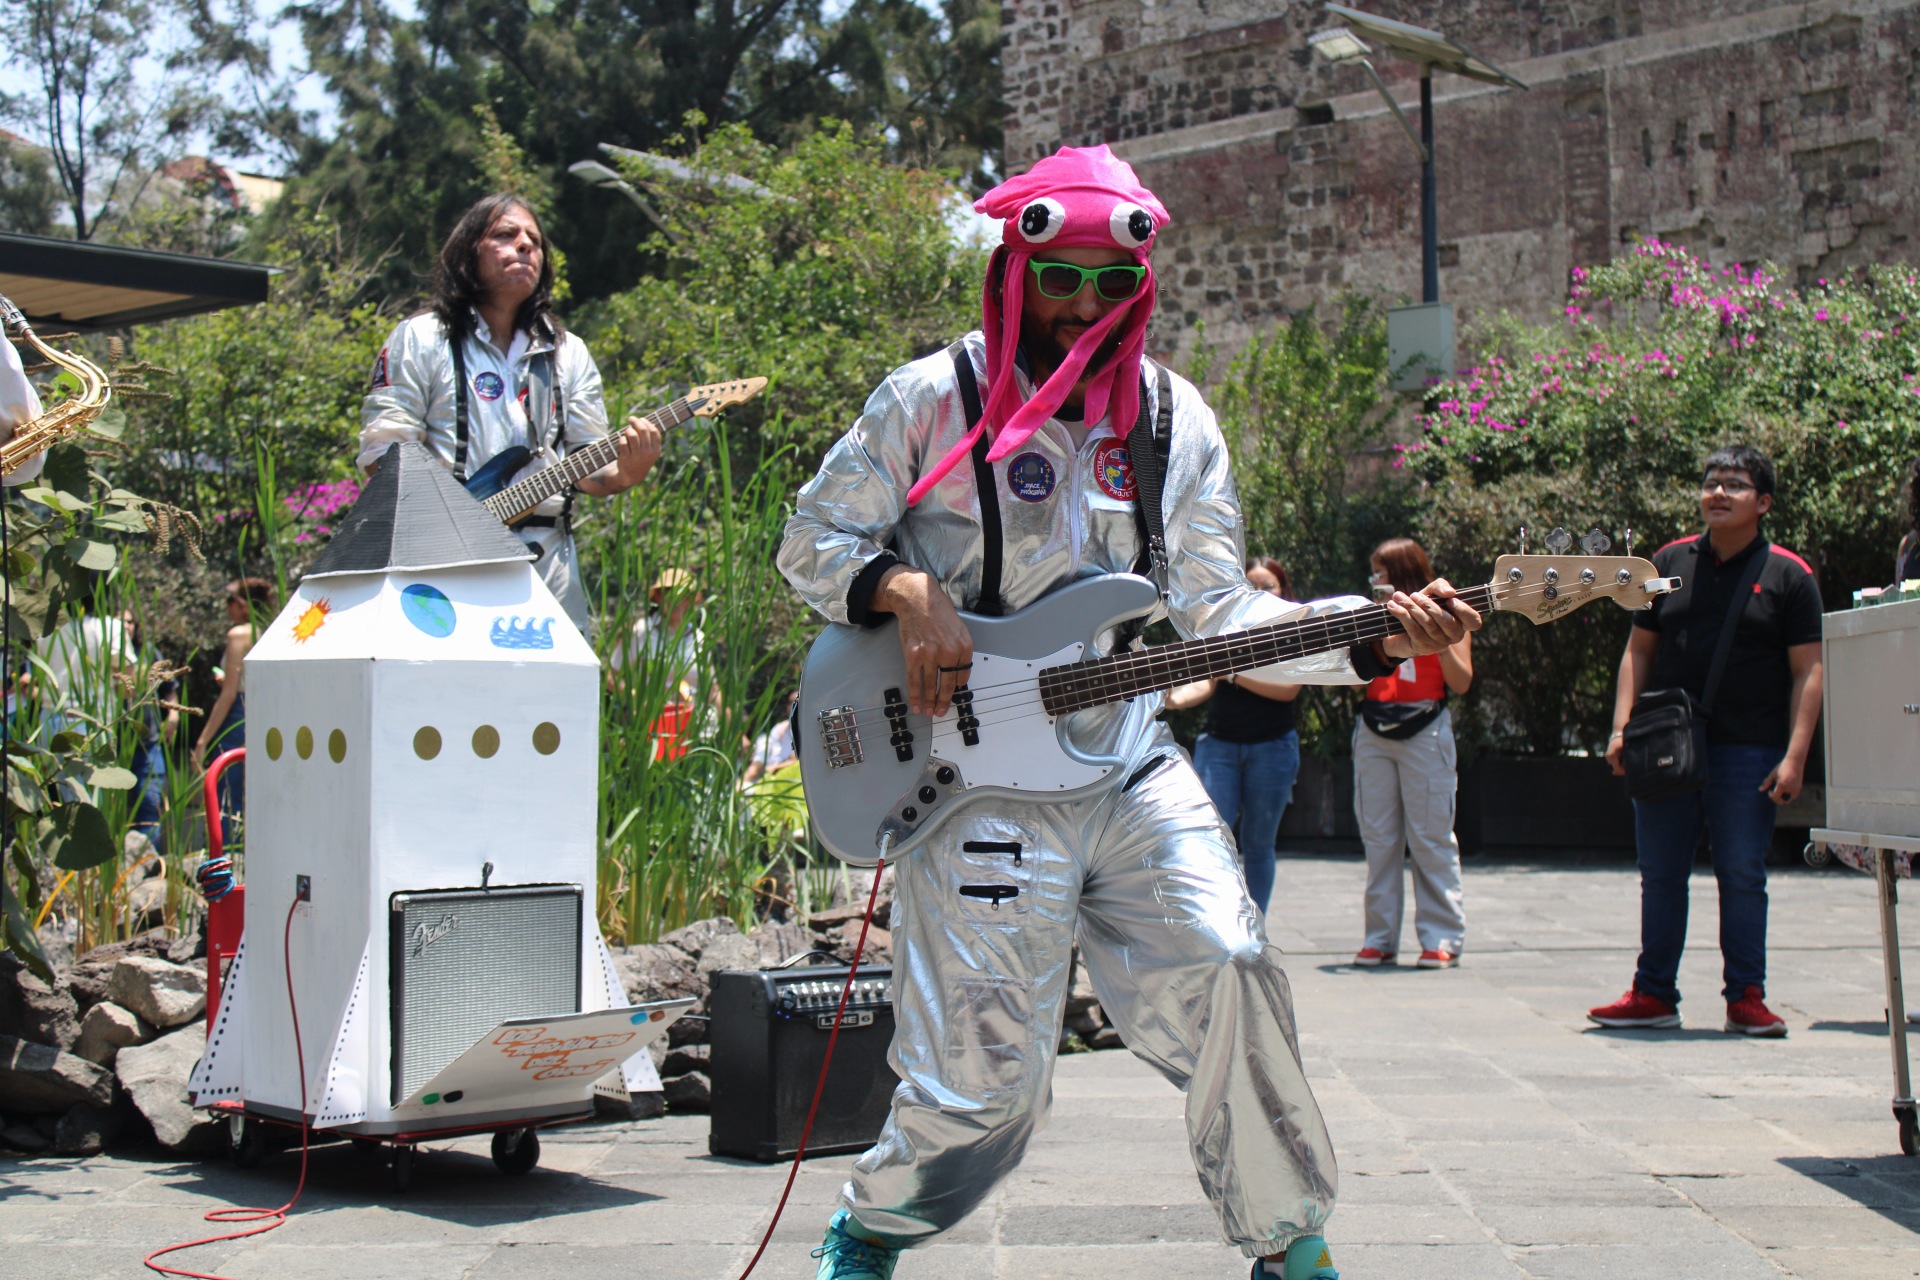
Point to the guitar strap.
(459, 409)
(991, 538)
(1149, 475)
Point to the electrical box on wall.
(1420, 345)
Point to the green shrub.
(1603, 421)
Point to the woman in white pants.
(1404, 780)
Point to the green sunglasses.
(1063, 280)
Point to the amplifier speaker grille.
(465, 960)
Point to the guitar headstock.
(1546, 588)
(716, 398)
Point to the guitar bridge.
(840, 735)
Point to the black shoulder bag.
(1665, 739)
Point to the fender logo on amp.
(425, 935)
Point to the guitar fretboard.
(524, 495)
(1079, 685)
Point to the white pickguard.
(1020, 746)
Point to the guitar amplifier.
(465, 960)
(769, 1033)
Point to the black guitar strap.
(459, 410)
(1149, 475)
(991, 538)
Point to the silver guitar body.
(863, 779)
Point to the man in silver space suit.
(490, 367)
(914, 514)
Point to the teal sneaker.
(1308, 1258)
(845, 1256)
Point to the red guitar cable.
(268, 1218)
(820, 1086)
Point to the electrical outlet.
(303, 888)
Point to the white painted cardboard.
(402, 729)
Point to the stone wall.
(1745, 130)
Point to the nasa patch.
(488, 386)
(1030, 477)
(1113, 470)
(380, 378)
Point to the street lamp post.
(1420, 339)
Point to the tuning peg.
(1558, 540)
(1596, 543)
(1629, 532)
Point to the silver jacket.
(411, 397)
(1067, 518)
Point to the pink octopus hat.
(1077, 198)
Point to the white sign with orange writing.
(540, 1061)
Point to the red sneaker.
(1635, 1009)
(1441, 959)
(1749, 1016)
(1371, 956)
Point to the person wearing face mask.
(1249, 754)
(489, 367)
(1404, 777)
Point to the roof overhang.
(77, 285)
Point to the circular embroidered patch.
(1113, 470)
(488, 386)
(1030, 476)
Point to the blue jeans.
(1250, 784)
(149, 790)
(231, 790)
(1739, 819)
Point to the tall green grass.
(682, 842)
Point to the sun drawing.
(312, 620)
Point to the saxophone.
(71, 414)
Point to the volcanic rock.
(164, 993)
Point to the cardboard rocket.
(422, 731)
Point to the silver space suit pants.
(1179, 958)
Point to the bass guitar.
(514, 500)
(872, 768)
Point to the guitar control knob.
(944, 775)
(910, 814)
(928, 795)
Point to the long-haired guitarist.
(490, 368)
(984, 478)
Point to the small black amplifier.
(769, 1033)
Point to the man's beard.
(1048, 350)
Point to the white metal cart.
(1872, 666)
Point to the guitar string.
(509, 506)
(1103, 671)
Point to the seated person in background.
(773, 750)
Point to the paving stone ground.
(1484, 1130)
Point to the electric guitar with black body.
(514, 500)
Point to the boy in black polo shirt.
(1757, 740)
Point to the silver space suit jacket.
(411, 397)
(1066, 512)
